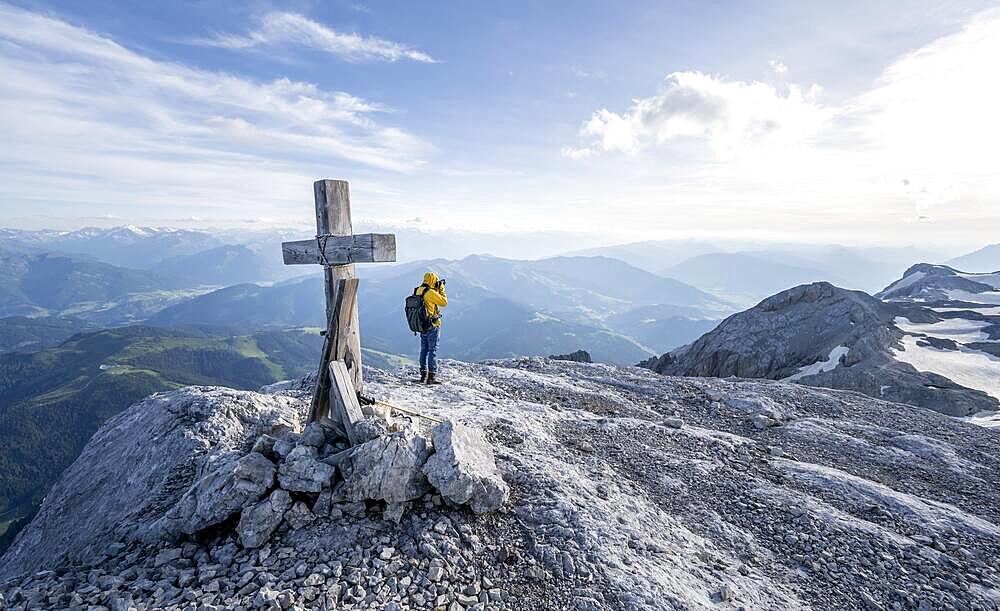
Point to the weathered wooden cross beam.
(337, 249)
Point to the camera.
(441, 281)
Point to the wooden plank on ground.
(344, 405)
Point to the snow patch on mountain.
(984, 297)
(968, 367)
(829, 364)
(955, 329)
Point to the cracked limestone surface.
(842, 501)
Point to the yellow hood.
(430, 279)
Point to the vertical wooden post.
(333, 217)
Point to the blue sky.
(833, 121)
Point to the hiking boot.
(423, 376)
(431, 379)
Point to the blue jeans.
(428, 350)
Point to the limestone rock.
(578, 356)
(299, 515)
(822, 335)
(313, 435)
(228, 488)
(265, 445)
(673, 423)
(324, 502)
(387, 468)
(301, 471)
(464, 469)
(369, 429)
(258, 521)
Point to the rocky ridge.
(628, 490)
(822, 335)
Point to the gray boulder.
(226, 489)
(464, 469)
(258, 521)
(313, 435)
(302, 471)
(299, 515)
(387, 468)
(578, 356)
(265, 445)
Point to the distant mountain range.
(745, 277)
(747, 272)
(932, 338)
(499, 307)
(127, 246)
(49, 283)
(986, 259)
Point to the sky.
(861, 122)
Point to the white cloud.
(115, 126)
(915, 151)
(280, 28)
(778, 66)
(730, 115)
(931, 122)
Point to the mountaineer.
(423, 313)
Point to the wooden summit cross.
(337, 249)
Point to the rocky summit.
(822, 335)
(539, 484)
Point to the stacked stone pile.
(297, 478)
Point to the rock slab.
(464, 469)
(225, 490)
(388, 468)
(258, 521)
(302, 471)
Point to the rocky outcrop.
(266, 474)
(463, 469)
(577, 356)
(387, 469)
(138, 466)
(822, 335)
(929, 283)
(259, 520)
(230, 486)
(841, 501)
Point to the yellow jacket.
(434, 297)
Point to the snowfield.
(992, 297)
(983, 311)
(965, 366)
(956, 329)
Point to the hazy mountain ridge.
(125, 246)
(499, 307)
(986, 259)
(39, 284)
(748, 271)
